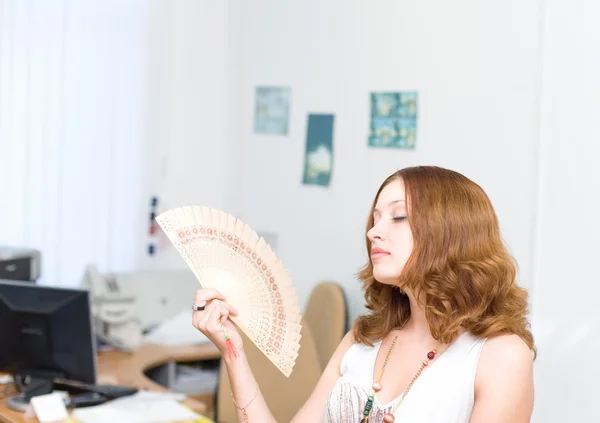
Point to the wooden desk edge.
(128, 369)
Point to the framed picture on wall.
(393, 119)
(318, 156)
(272, 112)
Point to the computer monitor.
(45, 333)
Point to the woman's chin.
(386, 279)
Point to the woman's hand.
(214, 321)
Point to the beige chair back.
(284, 396)
(326, 315)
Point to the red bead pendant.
(389, 418)
(431, 354)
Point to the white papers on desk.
(5, 379)
(49, 408)
(177, 330)
(142, 407)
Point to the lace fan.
(226, 254)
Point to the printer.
(20, 264)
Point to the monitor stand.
(31, 384)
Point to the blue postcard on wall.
(318, 159)
(272, 110)
(393, 119)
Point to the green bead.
(368, 405)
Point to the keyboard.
(109, 391)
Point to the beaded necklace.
(389, 417)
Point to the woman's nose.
(374, 233)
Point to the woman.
(446, 339)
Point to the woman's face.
(391, 235)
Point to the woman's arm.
(246, 392)
(212, 319)
(504, 382)
(314, 408)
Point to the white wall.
(475, 66)
(567, 285)
(569, 229)
(191, 123)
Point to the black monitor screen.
(46, 331)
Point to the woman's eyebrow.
(391, 203)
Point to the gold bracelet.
(247, 405)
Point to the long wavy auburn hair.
(459, 268)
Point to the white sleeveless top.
(444, 393)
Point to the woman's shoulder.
(504, 357)
(504, 378)
(508, 348)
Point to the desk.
(128, 369)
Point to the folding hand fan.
(226, 254)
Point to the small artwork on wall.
(272, 110)
(393, 119)
(318, 159)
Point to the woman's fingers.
(215, 312)
(213, 321)
(209, 295)
(231, 309)
(206, 295)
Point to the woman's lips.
(378, 253)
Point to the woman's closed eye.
(398, 218)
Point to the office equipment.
(20, 264)
(113, 310)
(225, 253)
(45, 332)
(198, 380)
(109, 391)
(86, 399)
(130, 370)
(176, 331)
(148, 298)
(159, 294)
